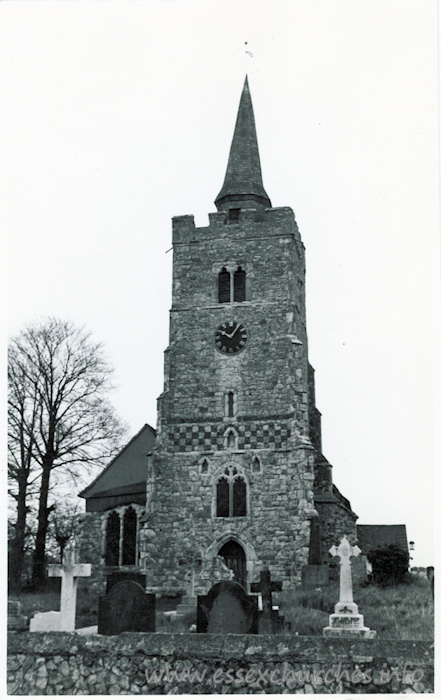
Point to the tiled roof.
(127, 469)
(373, 536)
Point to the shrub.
(390, 565)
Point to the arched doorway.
(235, 559)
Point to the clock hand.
(230, 335)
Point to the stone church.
(235, 467)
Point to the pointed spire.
(243, 186)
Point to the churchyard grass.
(41, 601)
(399, 612)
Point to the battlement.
(237, 223)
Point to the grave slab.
(227, 609)
(127, 608)
(116, 576)
(16, 621)
(46, 622)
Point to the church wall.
(271, 374)
(275, 532)
(336, 521)
(90, 551)
(269, 379)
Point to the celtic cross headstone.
(346, 621)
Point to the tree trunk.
(18, 543)
(38, 564)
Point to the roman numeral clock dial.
(230, 337)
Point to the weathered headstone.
(117, 576)
(269, 621)
(127, 608)
(69, 571)
(227, 609)
(315, 573)
(16, 621)
(345, 621)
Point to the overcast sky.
(119, 115)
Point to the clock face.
(230, 337)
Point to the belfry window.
(231, 495)
(224, 293)
(232, 286)
(239, 285)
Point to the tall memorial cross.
(345, 551)
(266, 588)
(346, 621)
(70, 572)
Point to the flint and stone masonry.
(235, 468)
(240, 415)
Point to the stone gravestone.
(64, 620)
(127, 608)
(16, 621)
(117, 576)
(227, 609)
(345, 621)
(269, 621)
(315, 573)
(46, 622)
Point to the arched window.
(204, 466)
(224, 293)
(222, 498)
(231, 495)
(239, 284)
(255, 463)
(129, 538)
(112, 540)
(239, 497)
(230, 439)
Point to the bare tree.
(64, 525)
(65, 421)
(21, 465)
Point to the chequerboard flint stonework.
(235, 469)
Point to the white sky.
(117, 116)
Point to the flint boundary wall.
(62, 663)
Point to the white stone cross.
(69, 571)
(345, 552)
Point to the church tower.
(235, 469)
